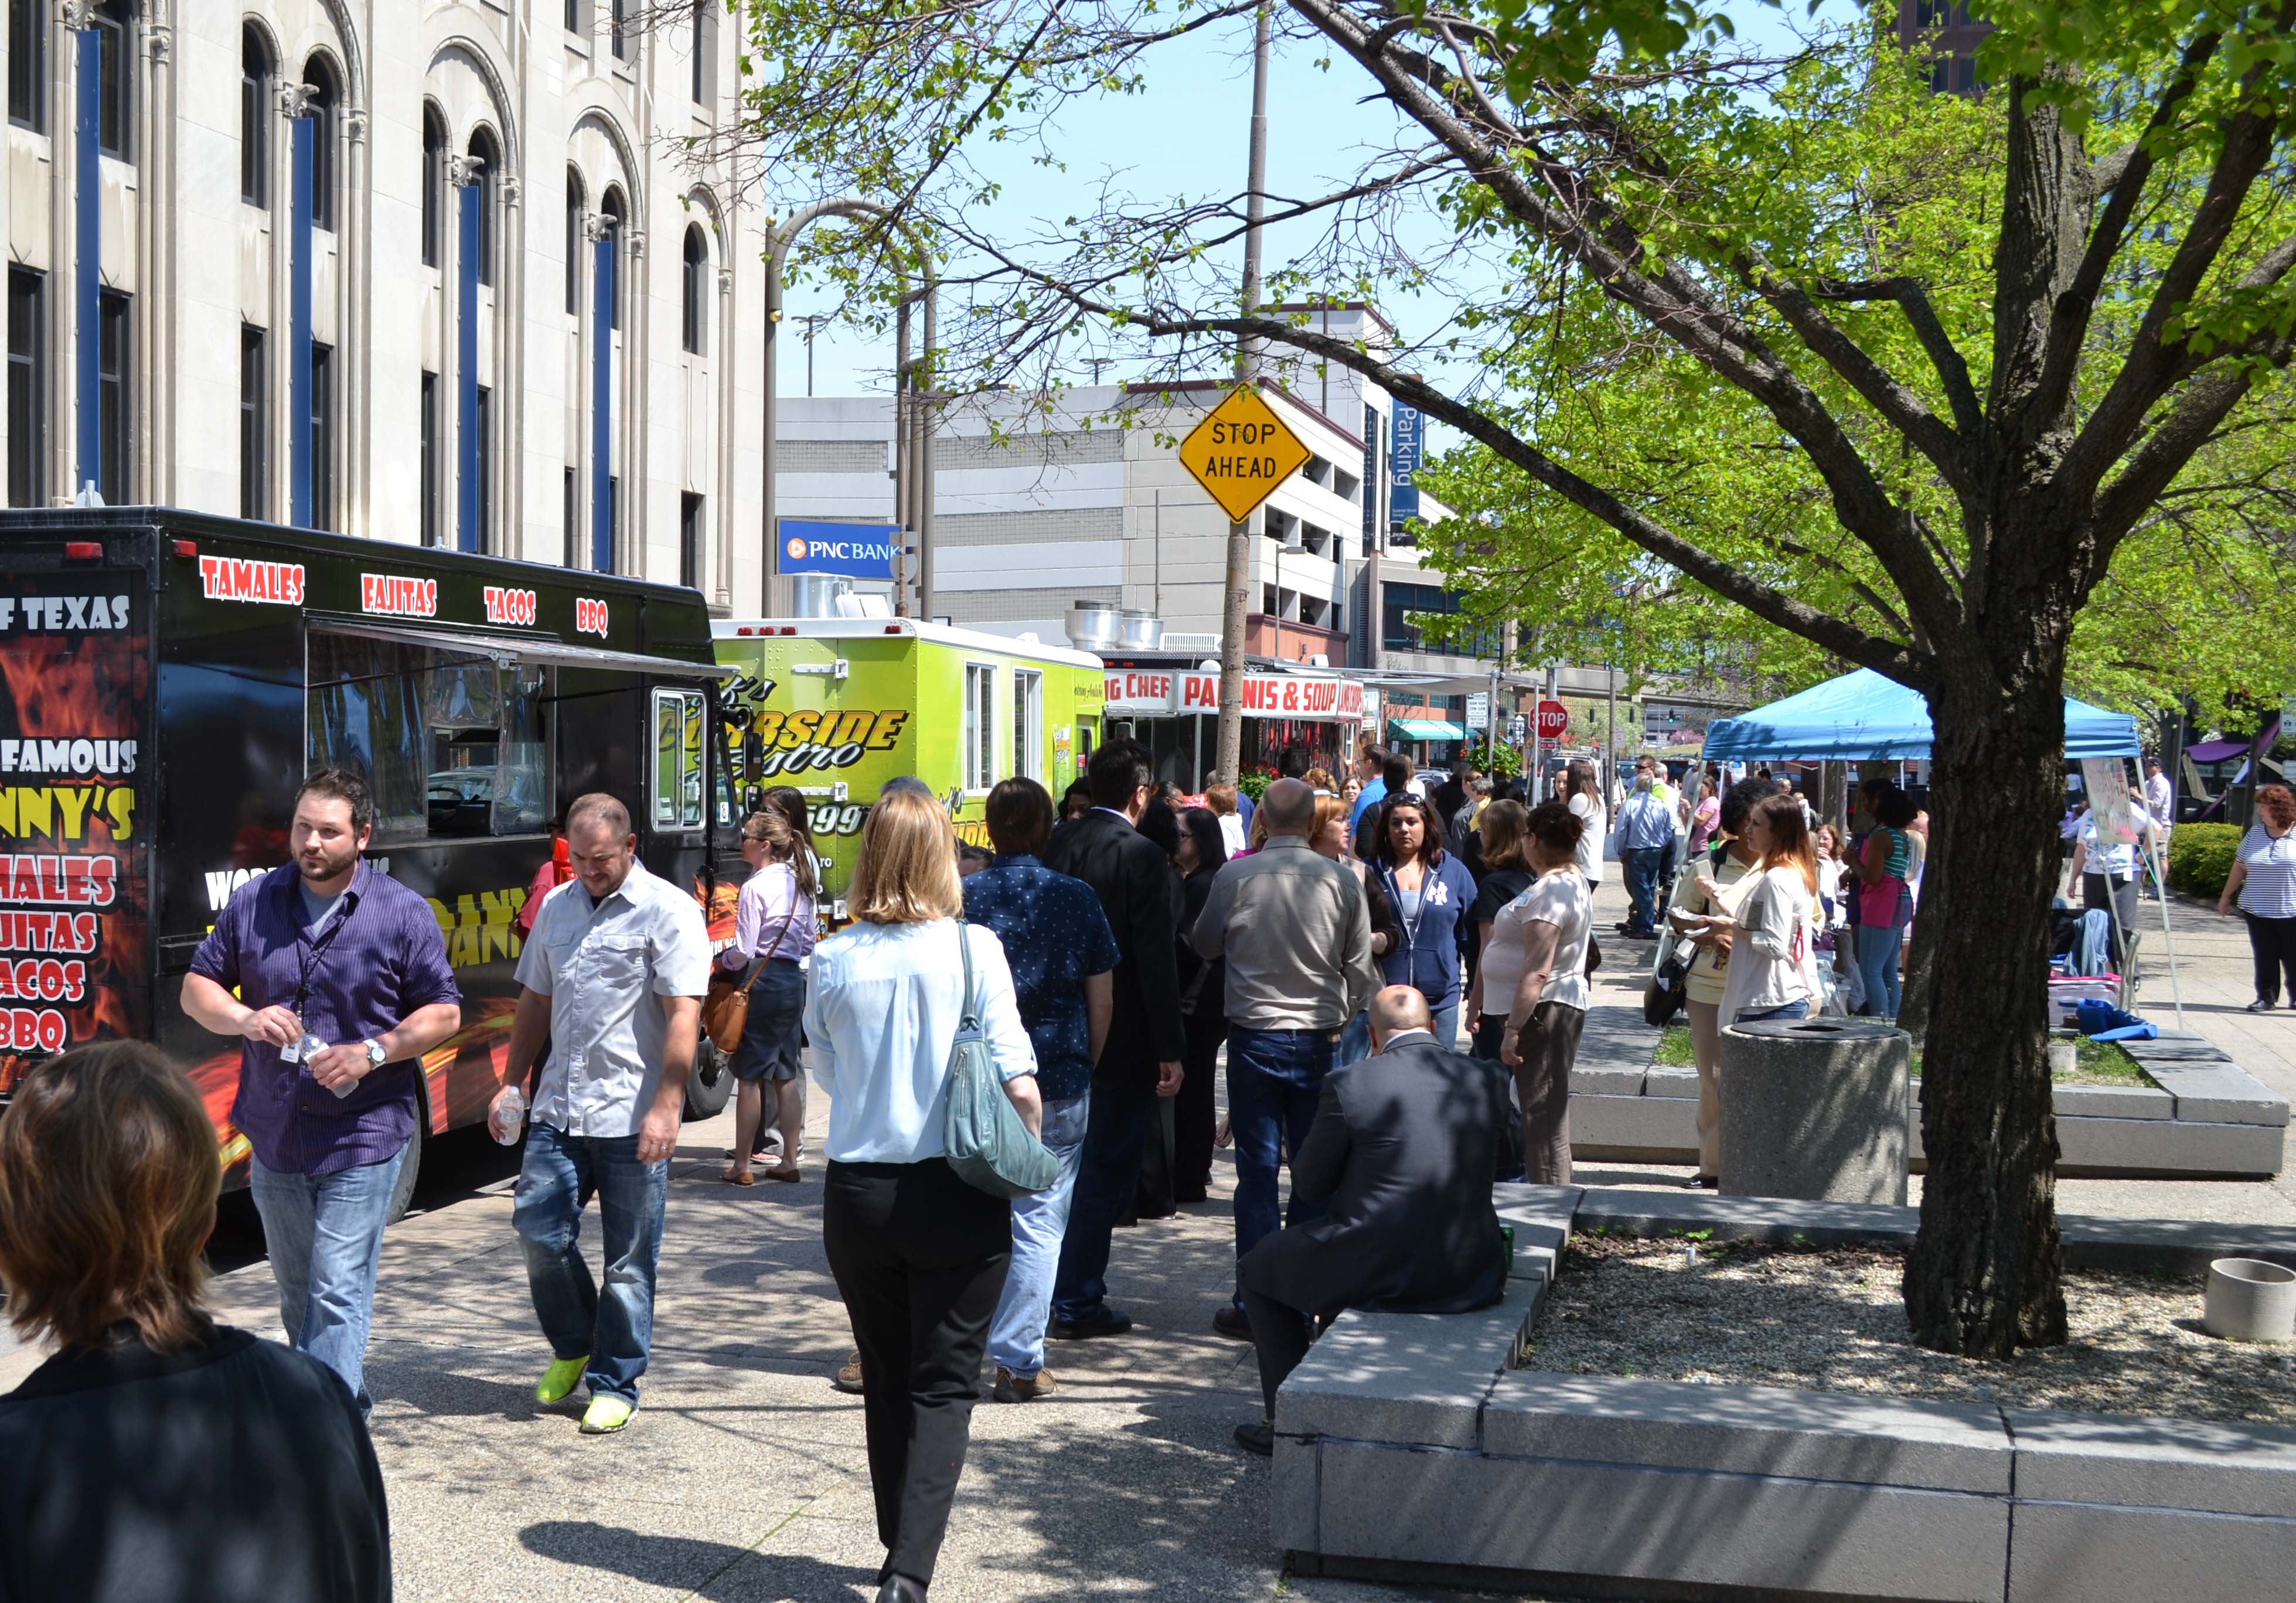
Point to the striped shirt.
(2269, 891)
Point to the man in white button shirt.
(613, 973)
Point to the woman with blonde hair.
(1773, 942)
(1220, 799)
(772, 935)
(920, 1256)
(157, 1453)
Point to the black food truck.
(170, 677)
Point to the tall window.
(610, 207)
(434, 181)
(572, 513)
(576, 236)
(254, 117)
(578, 16)
(429, 485)
(488, 154)
(696, 286)
(27, 63)
(115, 123)
(705, 51)
(254, 421)
(27, 387)
(980, 733)
(621, 14)
(1028, 723)
(613, 517)
(322, 436)
(485, 424)
(326, 100)
(115, 356)
(689, 541)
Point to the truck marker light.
(83, 551)
(185, 548)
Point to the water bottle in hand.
(510, 1116)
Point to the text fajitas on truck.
(838, 706)
(170, 678)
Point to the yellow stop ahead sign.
(1240, 451)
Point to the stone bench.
(1408, 1447)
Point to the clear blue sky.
(1185, 135)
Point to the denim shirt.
(1056, 936)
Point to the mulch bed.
(1831, 1320)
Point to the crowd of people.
(1337, 939)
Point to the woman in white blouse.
(1773, 942)
(2263, 882)
(1583, 796)
(919, 1254)
(1545, 989)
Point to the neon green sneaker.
(563, 1375)
(607, 1414)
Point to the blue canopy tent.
(1863, 718)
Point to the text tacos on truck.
(168, 680)
(837, 706)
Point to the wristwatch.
(374, 1056)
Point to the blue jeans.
(1016, 1335)
(1274, 1079)
(1792, 1009)
(324, 1235)
(1447, 1024)
(1354, 1042)
(1108, 1174)
(614, 1328)
(1643, 864)
(1877, 966)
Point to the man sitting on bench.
(1403, 1148)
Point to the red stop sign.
(1553, 720)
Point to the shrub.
(1254, 783)
(2200, 857)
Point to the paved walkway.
(743, 1477)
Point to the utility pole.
(1247, 370)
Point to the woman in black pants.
(919, 1254)
(2263, 883)
(1203, 997)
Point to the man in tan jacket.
(1294, 930)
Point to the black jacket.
(1141, 896)
(1403, 1148)
(234, 1471)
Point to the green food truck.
(836, 707)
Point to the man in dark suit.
(1402, 1152)
(1140, 893)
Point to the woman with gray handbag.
(912, 1018)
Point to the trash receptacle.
(1816, 1109)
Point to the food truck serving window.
(453, 743)
(678, 730)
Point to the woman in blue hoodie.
(1430, 892)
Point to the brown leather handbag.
(726, 1006)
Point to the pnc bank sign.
(851, 551)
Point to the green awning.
(1427, 729)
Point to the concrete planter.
(1815, 1109)
(2250, 1300)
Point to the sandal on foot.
(791, 1174)
(734, 1177)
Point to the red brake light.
(892, 628)
(185, 548)
(744, 630)
(83, 551)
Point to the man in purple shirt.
(343, 984)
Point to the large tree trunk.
(1984, 1275)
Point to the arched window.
(326, 102)
(610, 207)
(696, 284)
(255, 112)
(115, 120)
(488, 154)
(434, 181)
(578, 238)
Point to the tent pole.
(2167, 936)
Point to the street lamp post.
(913, 493)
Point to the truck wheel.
(403, 1192)
(709, 1083)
